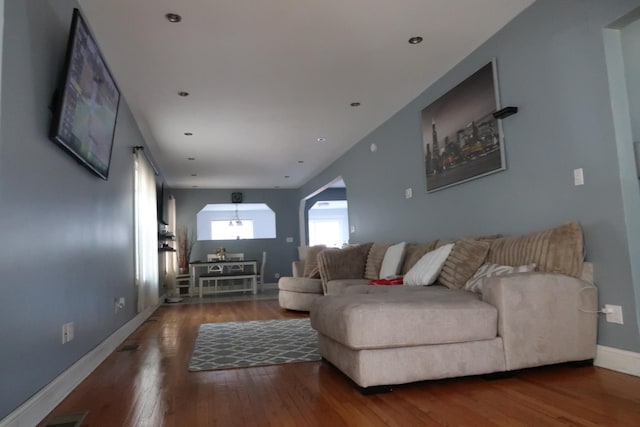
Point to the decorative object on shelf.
(462, 137)
(221, 253)
(185, 245)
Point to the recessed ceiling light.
(355, 104)
(300, 161)
(194, 186)
(191, 158)
(415, 40)
(194, 174)
(321, 139)
(183, 93)
(287, 176)
(173, 17)
(188, 133)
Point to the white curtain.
(146, 233)
(172, 258)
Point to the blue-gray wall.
(280, 253)
(551, 64)
(67, 247)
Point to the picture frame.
(462, 140)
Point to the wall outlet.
(118, 304)
(353, 228)
(67, 332)
(289, 239)
(614, 313)
(277, 275)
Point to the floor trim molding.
(34, 410)
(615, 359)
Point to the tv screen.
(87, 102)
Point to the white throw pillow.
(392, 260)
(476, 283)
(428, 268)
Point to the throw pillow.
(387, 282)
(558, 250)
(392, 260)
(427, 269)
(311, 262)
(345, 263)
(374, 261)
(477, 282)
(413, 253)
(465, 258)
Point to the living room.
(68, 250)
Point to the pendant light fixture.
(236, 219)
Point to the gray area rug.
(254, 343)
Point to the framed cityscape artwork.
(462, 139)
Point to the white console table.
(225, 266)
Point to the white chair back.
(213, 268)
(237, 256)
(262, 266)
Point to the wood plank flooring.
(152, 387)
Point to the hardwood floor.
(152, 387)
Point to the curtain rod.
(149, 159)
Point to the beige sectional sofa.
(386, 335)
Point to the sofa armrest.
(544, 318)
(297, 268)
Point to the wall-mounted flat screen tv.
(86, 105)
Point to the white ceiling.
(267, 78)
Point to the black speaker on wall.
(236, 197)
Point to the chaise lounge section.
(387, 335)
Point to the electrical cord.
(601, 311)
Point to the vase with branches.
(185, 245)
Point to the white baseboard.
(33, 411)
(615, 359)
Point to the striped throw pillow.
(476, 283)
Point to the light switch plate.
(578, 177)
(408, 193)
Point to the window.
(229, 230)
(325, 232)
(329, 223)
(257, 219)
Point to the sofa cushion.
(346, 286)
(427, 269)
(432, 315)
(392, 262)
(311, 261)
(413, 253)
(486, 271)
(558, 250)
(300, 284)
(465, 258)
(374, 260)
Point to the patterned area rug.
(255, 343)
